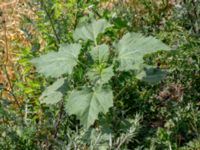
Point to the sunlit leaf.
(132, 48)
(87, 103)
(91, 31)
(55, 64)
(100, 76)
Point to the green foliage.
(99, 75)
(91, 31)
(100, 53)
(93, 94)
(60, 62)
(87, 103)
(187, 13)
(54, 92)
(192, 145)
(132, 48)
(151, 74)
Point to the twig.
(6, 61)
(6, 39)
(51, 22)
(11, 87)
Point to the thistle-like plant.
(83, 73)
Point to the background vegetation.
(165, 115)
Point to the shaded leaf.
(87, 103)
(55, 64)
(132, 48)
(151, 74)
(54, 92)
(91, 31)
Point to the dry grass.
(11, 39)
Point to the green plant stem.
(82, 64)
(122, 142)
(51, 23)
(59, 118)
(96, 12)
(121, 91)
(57, 123)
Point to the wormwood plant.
(83, 71)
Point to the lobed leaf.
(132, 48)
(87, 103)
(100, 76)
(54, 92)
(55, 64)
(91, 31)
(100, 53)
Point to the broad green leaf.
(132, 48)
(100, 53)
(100, 76)
(55, 64)
(87, 103)
(54, 92)
(151, 74)
(91, 31)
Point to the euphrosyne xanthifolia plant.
(99, 66)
